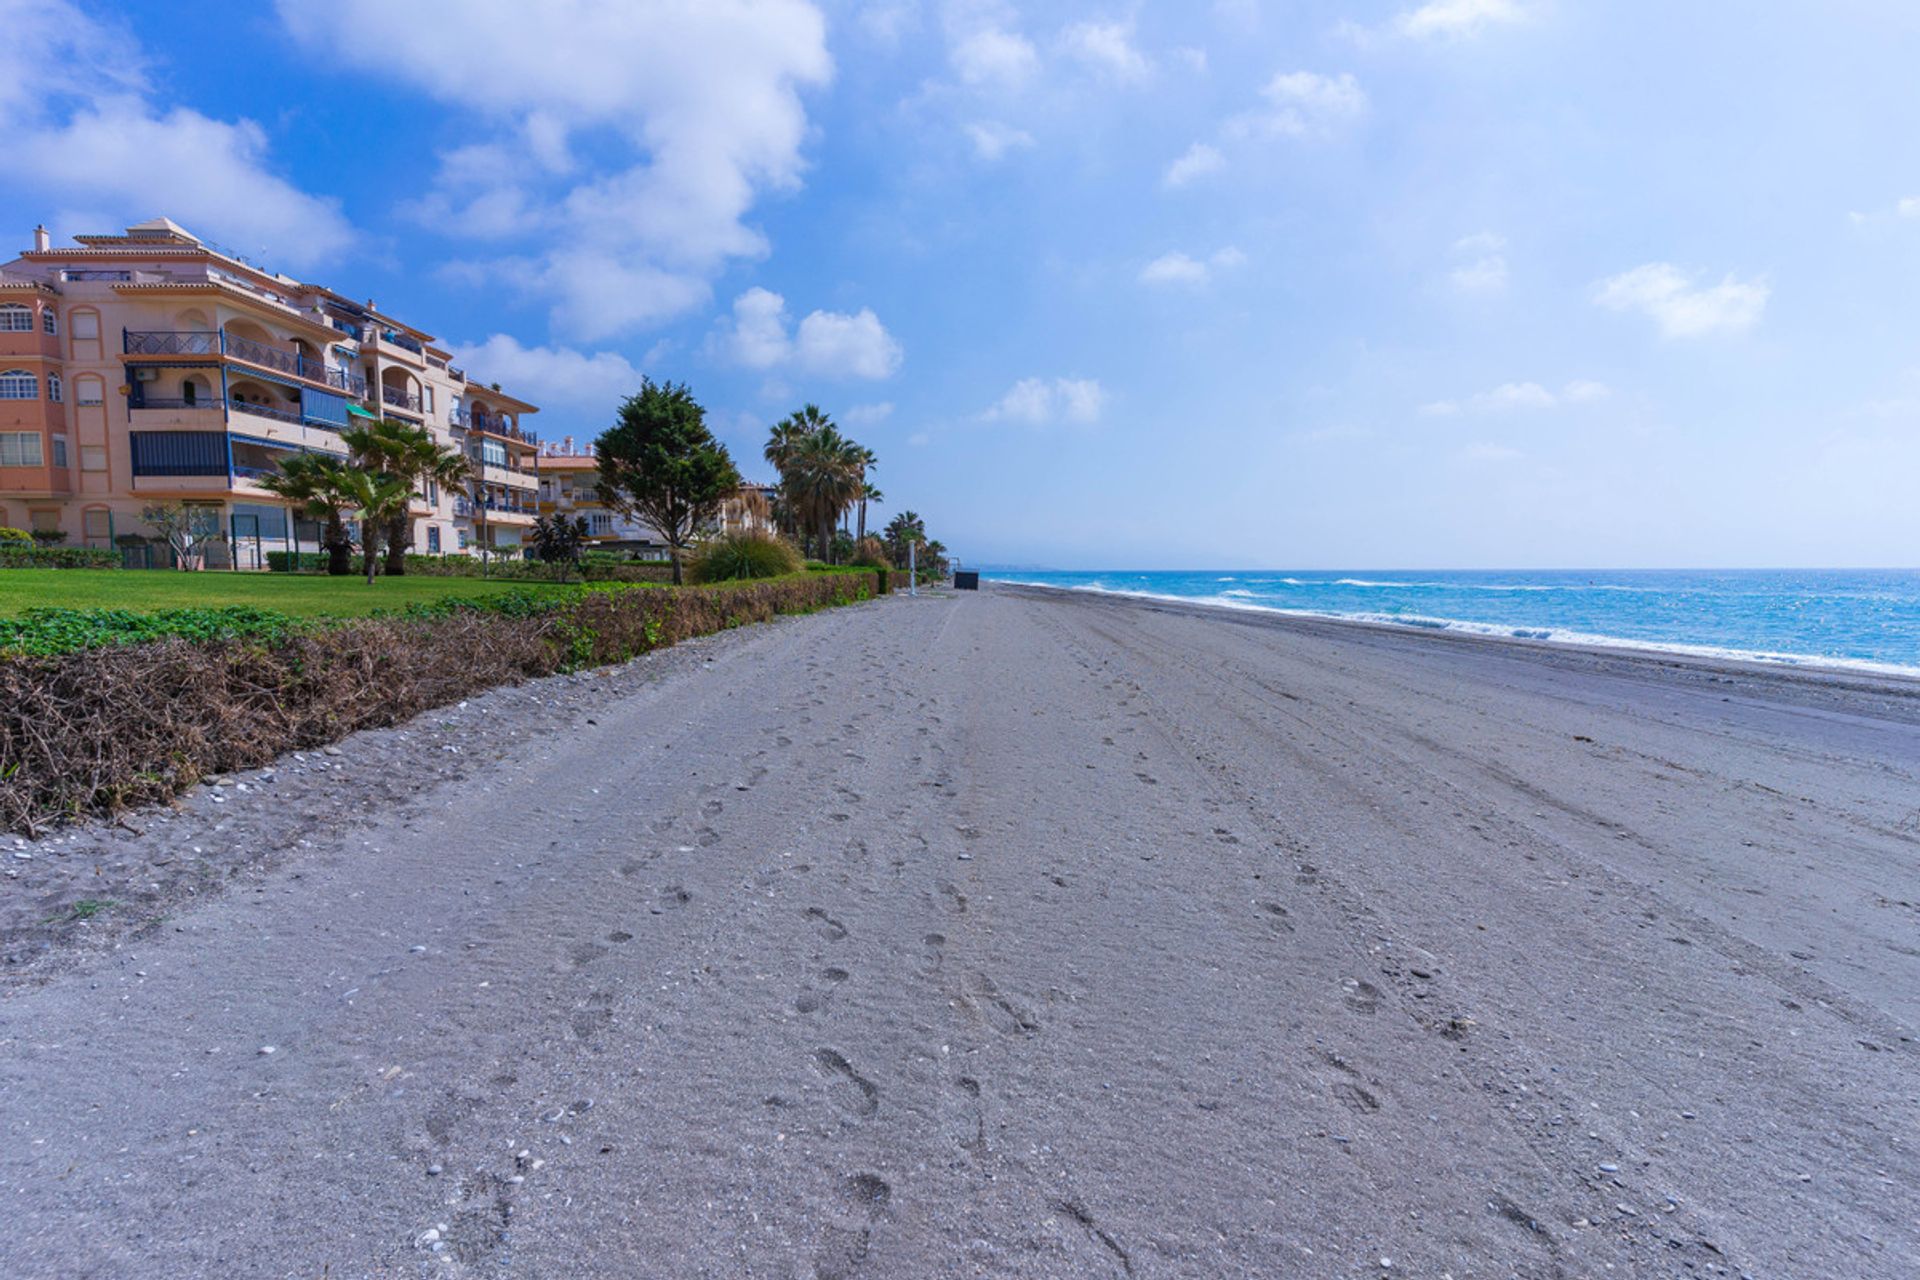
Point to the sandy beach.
(1023, 933)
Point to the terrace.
(240, 348)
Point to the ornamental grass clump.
(736, 556)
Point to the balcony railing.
(181, 342)
(395, 338)
(399, 399)
(173, 402)
(511, 507)
(494, 424)
(259, 410)
(253, 473)
(184, 342)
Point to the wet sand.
(1020, 934)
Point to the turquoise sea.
(1866, 618)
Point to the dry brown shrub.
(103, 729)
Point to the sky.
(1248, 284)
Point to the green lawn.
(300, 594)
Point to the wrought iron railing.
(260, 410)
(399, 399)
(173, 402)
(177, 342)
(170, 342)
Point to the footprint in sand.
(850, 1091)
(832, 929)
(1361, 996)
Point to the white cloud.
(558, 379)
(1910, 207)
(1480, 264)
(1514, 397)
(1198, 161)
(994, 58)
(1458, 17)
(1040, 401)
(1680, 307)
(1107, 47)
(82, 125)
(991, 140)
(826, 344)
(701, 100)
(1304, 103)
(1181, 269)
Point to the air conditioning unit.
(146, 375)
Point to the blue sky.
(1413, 283)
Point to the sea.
(1867, 619)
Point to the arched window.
(19, 384)
(50, 322)
(54, 388)
(15, 318)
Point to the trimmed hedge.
(590, 569)
(27, 555)
(128, 720)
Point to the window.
(86, 326)
(15, 318)
(20, 449)
(433, 492)
(492, 452)
(96, 524)
(59, 451)
(433, 539)
(426, 398)
(462, 535)
(49, 321)
(93, 457)
(46, 520)
(54, 391)
(89, 390)
(18, 384)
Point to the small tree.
(186, 531)
(557, 540)
(376, 495)
(660, 464)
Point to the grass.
(296, 594)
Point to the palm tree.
(412, 455)
(784, 441)
(314, 484)
(901, 532)
(824, 476)
(376, 496)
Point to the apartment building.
(570, 485)
(150, 367)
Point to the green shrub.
(27, 555)
(296, 562)
(10, 534)
(49, 537)
(45, 632)
(735, 556)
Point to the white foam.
(1418, 622)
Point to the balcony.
(187, 342)
(494, 424)
(400, 400)
(259, 410)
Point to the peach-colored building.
(148, 367)
(570, 485)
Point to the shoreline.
(1872, 676)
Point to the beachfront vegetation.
(823, 475)
(734, 556)
(557, 540)
(660, 464)
(408, 457)
(301, 595)
(101, 712)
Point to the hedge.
(590, 569)
(129, 719)
(25, 555)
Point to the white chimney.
(41, 240)
(566, 446)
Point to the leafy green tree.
(314, 484)
(660, 464)
(557, 540)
